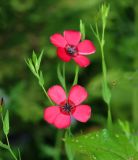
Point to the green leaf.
(76, 75)
(41, 79)
(38, 61)
(104, 12)
(40, 58)
(31, 66)
(104, 145)
(6, 123)
(34, 58)
(82, 30)
(48, 150)
(2, 145)
(125, 127)
(106, 93)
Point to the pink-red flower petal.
(62, 121)
(77, 94)
(63, 55)
(58, 40)
(57, 94)
(72, 37)
(82, 113)
(86, 47)
(82, 61)
(51, 113)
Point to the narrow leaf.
(34, 58)
(2, 145)
(41, 79)
(31, 66)
(76, 75)
(106, 93)
(82, 30)
(39, 60)
(6, 123)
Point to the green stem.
(19, 154)
(13, 155)
(64, 76)
(58, 144)
(76, 75)
(109, 118)
(103, 64)
(69, 132)
(68, 148)
(47, 95)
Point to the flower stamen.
(71, 50)
(67, 108)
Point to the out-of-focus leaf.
(82, 30)
(47, 150)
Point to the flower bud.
(1, 103)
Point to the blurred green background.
(26, 26)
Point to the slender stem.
(64, 76)
(13, 155)
(109, 118)
(103, 64)
(69, 132)
(19, 154)
(76, 75)
(58, 144)
(47, 95)
(104, 72)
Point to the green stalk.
(64, 76)
(101, 40)
(13, 155)
(76, 75)
(47, 95)
(58, 145)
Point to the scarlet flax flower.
(60, 114)
(70, 47)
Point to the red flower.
(69, 47)
(60, 114)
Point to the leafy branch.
(6, 130)
(34, 65)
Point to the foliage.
(105, 145)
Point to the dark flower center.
(71, 50)
(67, 108)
